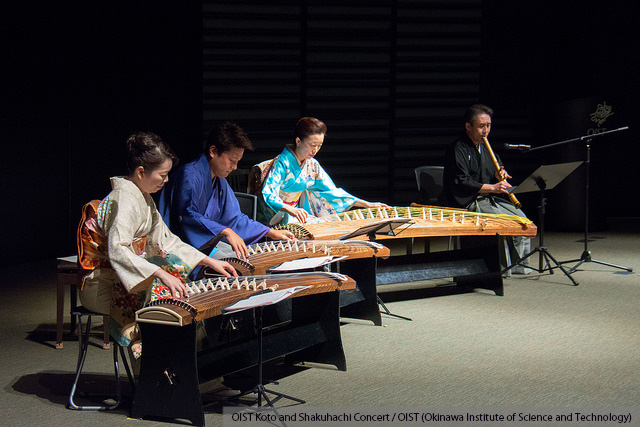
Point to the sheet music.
(266, 298)
(306, 263)
(552, 175)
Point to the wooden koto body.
(302, 328)
(263, 256)
(424, 221)
(208, 297)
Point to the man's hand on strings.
(281, 235)
(237, 243)
(222, 267)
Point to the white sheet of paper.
(266, 298)
(306, 263)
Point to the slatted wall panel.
(437, 76)
(348, 81)
(511, 126)
(252, 70)
(390, 78)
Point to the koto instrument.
(423, 221)
(263, 256)
(496, 165)
(176, 360)
(209, 297)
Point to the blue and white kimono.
(307, 186)
(197, 209)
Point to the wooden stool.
(70, 274)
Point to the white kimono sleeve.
(127, 219)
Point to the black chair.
(430, 183)
(248, 204)
(83, 344)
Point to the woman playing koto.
(296, 188)
(142, 259)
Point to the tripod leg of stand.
(566, 272)
(547, 256)
(259, 389)
(629, 269)
(578, 261)
(278, 396)
(262, 392)
(586, 257)
(519, 262)
(386, 310)
(586, 254)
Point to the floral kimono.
(307, 186)
(137, 243)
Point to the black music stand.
(586, 254)
(382, 228)
(546, 177)
(260, 388)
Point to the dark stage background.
(390, 78)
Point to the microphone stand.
(586, 254)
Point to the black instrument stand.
(384, 228)
(259, 388)
(546, 177)
(541, 249)
(389, 313)
(586, 254)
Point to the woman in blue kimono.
(296, 188)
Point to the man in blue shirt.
(199, 205)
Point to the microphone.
(521, 147)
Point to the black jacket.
(465, 171)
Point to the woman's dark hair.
(225, 136)
(475, 110)
(148, 150)
(308, 126)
